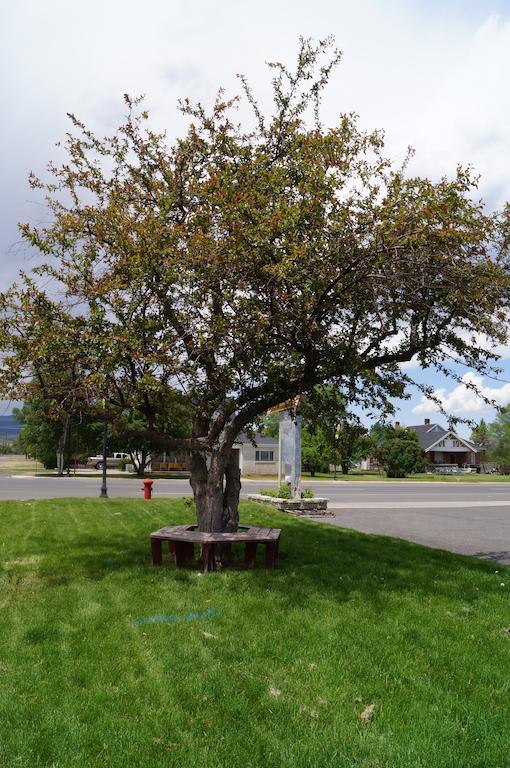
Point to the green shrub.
(398, 450)
(283, 492)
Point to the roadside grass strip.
(359, 651)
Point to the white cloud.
(411, 365)
(465, 115)
(432, 75)
(463, 398)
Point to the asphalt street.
(471, 519)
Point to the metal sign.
(290, 451)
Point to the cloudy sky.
(432, 73)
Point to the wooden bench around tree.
(182, 538)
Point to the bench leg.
(184, 552)
(156, 552)
(249, 554)
(208, 556)
(271, 555)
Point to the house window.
(264, 455)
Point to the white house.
(258, 459)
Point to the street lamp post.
(337, 435)
(104, 490)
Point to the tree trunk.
(140, 462)
(198, 482)
(216, 485)
(62, 445)
(212, 518)
(208, 490)
(68, 443)
(345, 467)
(231, 493)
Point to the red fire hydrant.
(147, 489)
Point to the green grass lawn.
(244, 669)
(426, 477)
(18, 465)
(380, 476)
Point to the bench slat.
(183, 533)
(182, 537)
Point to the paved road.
(342, 495)
(471, 519)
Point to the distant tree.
(352, 443)
(42, 435)
(499, 437)
(315, 452)
(481, 436)
(248, 264)
(174, 416)
(56, 441)
(398, 450)
(340, 438)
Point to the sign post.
(289, 445)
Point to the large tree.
(246, 266)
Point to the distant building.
(445, 447)
(176, 461)
(258, 459)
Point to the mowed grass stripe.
(281, 674)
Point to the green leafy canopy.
(247, 265)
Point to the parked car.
(446, 469)
(453, 469)
(115, 460)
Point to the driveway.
(470, 519)
(473, 528)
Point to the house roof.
(259, 439)
(430, 434)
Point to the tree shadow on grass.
(374, 566)
(315, 559)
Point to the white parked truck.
(115, 460)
